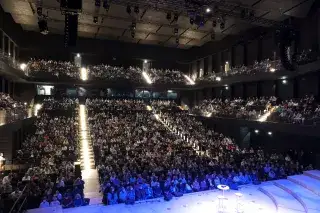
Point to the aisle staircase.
(89, 172)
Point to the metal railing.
(16, 202)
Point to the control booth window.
(45, 90)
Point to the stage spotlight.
(270, 133)
(208, 10)
(78, 55)
(106, 6)
(191, 20)
(95, 19)
(214, 23)
(43, 26)
(97, 3)
(39, 11)
(168, 16)
(136, 9)
(128, 9)
(213, 36)
(222, 25)
(243, 13)
(175, 17)
(256, 131)
(133, 26)
(175, 31)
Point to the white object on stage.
(223, 188)
(238, 209)
(221, 207)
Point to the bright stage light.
(84, 141)
(78, 55)
(146, 77)
(23, 66)
(256, 131)
(272, 69)
(36, 109)
(270, 133)
(149, 108)
(84, 74)
(218, 78)
(191, 82)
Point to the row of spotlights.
(135, 9)
(257, 132)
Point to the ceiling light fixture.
(95, 19)
(214, 23)
(191, 20)
(136, 9)
(106, 6)
(222, 25)
(175, 31)
(97, 3)
(208, 10)
(128, 9)
(169, 16)
(176, 17)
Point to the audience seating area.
(140, 152)
(295, 111)
(11, 110)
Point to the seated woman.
(131, 196)
(77, 200)
(203, 185)
(122, 195)
(156, 189)
(67, 201)
(112, 197)
(196, 186)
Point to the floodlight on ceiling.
(191, 20)
(222, 25)
(218, 78)
(136, 9)
(78, 55)
(272, 69)
(175, 17)
(128, 9)
(208, 10)
(168, 16)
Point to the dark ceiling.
(152, 25)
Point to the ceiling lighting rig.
(71, 9)
(97, 4)
(42, 19)
(208, 8)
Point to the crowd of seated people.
(163, 105)
(297, 111)
(160, 76)
(138, 157)
(108, 72)
(10, 109)
(60, 104)
(251, 108)
(50, 152)
(50, 68)
(115, 104)
(257, 67)
(60, 69)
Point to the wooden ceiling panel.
(156, 37)
(115, 23)
(147, 27)
(194, 34)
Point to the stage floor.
(292, 195)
